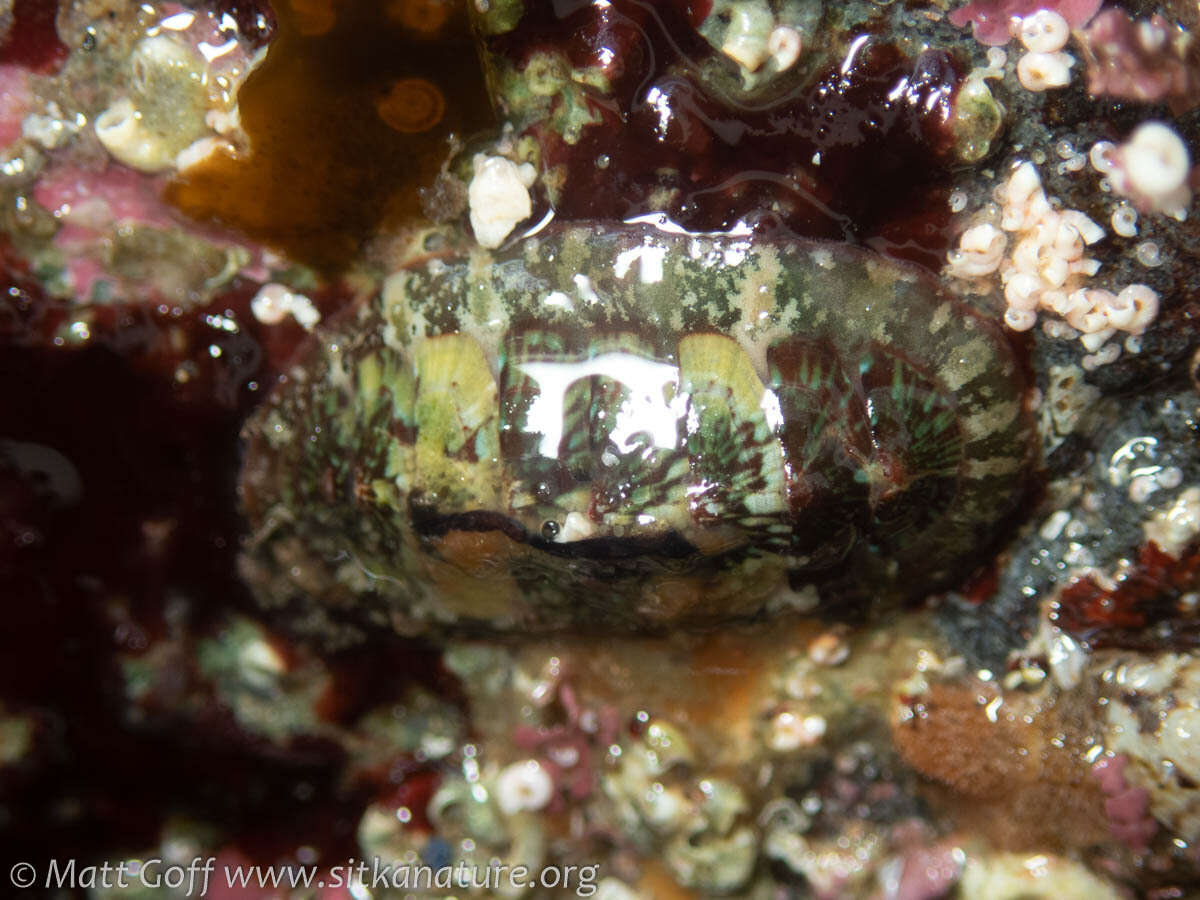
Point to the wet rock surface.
(167, 272)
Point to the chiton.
(634, 427)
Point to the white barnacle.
(498, 197)
(120, 131)
(164, 110)
(523, 786)
(161, 54)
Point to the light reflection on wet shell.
(628, 427)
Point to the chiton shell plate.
(630, 427)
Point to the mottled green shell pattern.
(631, 427)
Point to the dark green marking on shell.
(628, 427)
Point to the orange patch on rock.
(411, 105)
(1002, 767)
(348, 117)
(425, 17)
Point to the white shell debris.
(1176, 526)
(1065, 656)
(747, 40)
(260, 664)
(1152, 169)
(1044, 31)
(1148, 254)
(784, 45)
(1054, 525)
(52, 129)
(981, 250)
(273, 303)
(1047, 267)
(1043, 71)
(791, 731)
(1124, 220)
(615, 889)
(828, 649)
(992, 875)
(498, 197)
(202, 149)
(575, 527)
(1153, 717)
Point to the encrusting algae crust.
(614, 425)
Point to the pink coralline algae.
(1147, 59)
(929, 873)
(565, 750)
(92, 205)
(1126, 806)
(102, 198)
(15, 99)
(992, 20)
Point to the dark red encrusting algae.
(854, 153)
(117, 502)
(255, 19)
(1145, 611)
(119, 454)
(32, 40)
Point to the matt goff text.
(194, 879)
